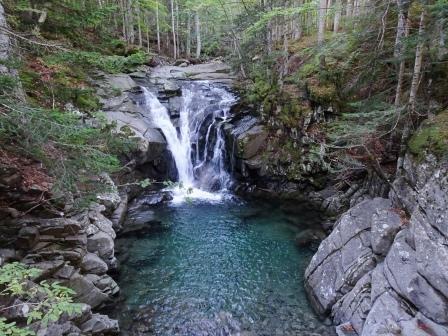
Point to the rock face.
(6, 53)
(382, 273)
(271, 160)
(78, 252)
(121, 97)
(118, 94)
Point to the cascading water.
(198, 145)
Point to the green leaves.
(44, 302)
(71, 150)
(10, 329)
(95, 60)
(145, 183)
(279, 12)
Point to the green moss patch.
(432, 137)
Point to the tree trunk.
(123, 16)
(188, 47)
(130, 22)
(416, 76)
(198, 34)
(321, 22)
(158, 26)
(442, 39)
(403, 6)
(173, 29)
(139, 25)
(328, 20)
(177, 28)
(349, 9)
(337, 15)
(402, 67)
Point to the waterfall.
(179, 146)
(197, 143)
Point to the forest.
(332, 103)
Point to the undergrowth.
(72, 152)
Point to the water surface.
(219, 269)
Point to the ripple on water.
(221, 269)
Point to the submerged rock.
(309, 237)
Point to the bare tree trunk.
(177, 28)
(123, 11)
(188, 47)
(337, 15)
(139, 25)
(198, 33)
(173, 29)
(403, 6)
(130, 23)
(158, 26)
(416, 76)
(269, 37)
(401, 67)
(321, 21)
(349, 9)
(328, 19)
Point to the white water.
(205, 108)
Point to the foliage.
(7, 84)
(94, 60)
(276, 12)
(44, 302)
(432, 137)
(72, 151)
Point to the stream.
(212, 264)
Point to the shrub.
(95, 60)
(72, 151)
(44, 302)
(432, 137)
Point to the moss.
(322, 92)
(86, 100)
(432, 137)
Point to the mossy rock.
(322, 92)
(432, 137)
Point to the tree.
(173, 29)
(198, 34)
(402, 33)
(321, 21)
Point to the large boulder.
(405, 290)
(251, 142)
(344, 257)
